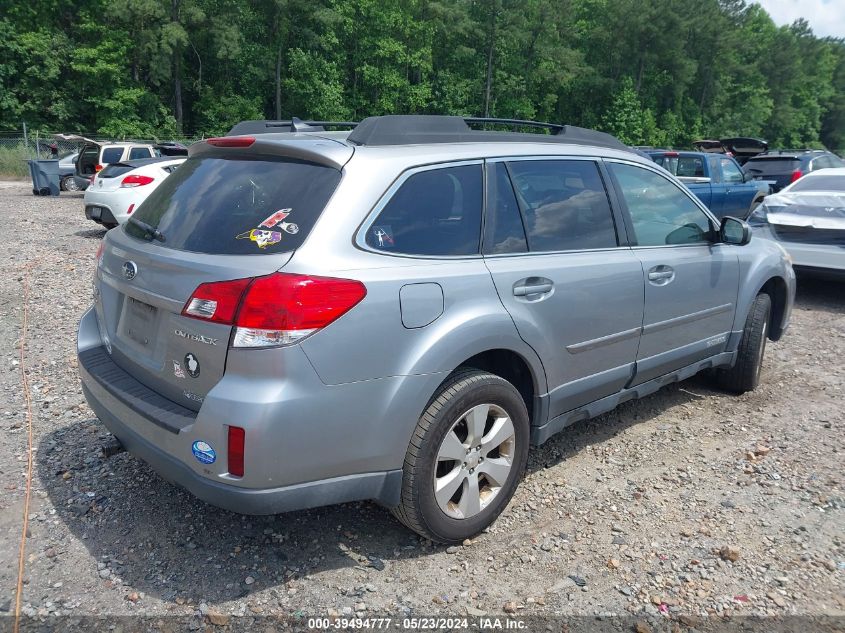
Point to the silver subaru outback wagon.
(306, 317)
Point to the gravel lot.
(690, 502)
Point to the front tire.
(466, 457)
(745, 374)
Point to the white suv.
(94, 156)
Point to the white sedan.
(117, 191)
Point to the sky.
(826, 17)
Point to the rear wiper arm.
(150, 230)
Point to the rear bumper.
(99, 213)
(383, 487)
(329, 445)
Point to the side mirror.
(734, 231)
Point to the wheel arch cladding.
(776, 288)
(510, 366)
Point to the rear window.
(139, 152)
(112, 154)
(772, 165)
(819, 183)
(114, 170)
(682, 166)
(238, 205)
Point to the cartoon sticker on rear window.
(261, 237)
(384, 236)
(277, 220)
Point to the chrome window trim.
(361, 234)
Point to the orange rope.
(28, 400)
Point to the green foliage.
(655, 72)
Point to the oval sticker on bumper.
(203, 452)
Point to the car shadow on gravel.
(91, 234)
(159, 539)
(815, 293)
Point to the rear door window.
(115, 169)
(237, 205)
(436, 212)
(139, 152)
(112, 154)
(564, 205)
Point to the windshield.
(241, 205)
(820, 183)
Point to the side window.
(730, 172)
(564, 205)
(112, 155)
(690, 167)
(661, 213)
(434, 212)
(139, 152)
(503, 228)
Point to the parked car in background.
(94, 155)
(67, 168)
(717, 180)
(119, 188)
(782, 167)
(397, 313)
(808, 219)
(741, 148)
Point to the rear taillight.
(100, 249)
(795, 175)
(236, 451)
(135, 180)
(98, 167)
(231, 141)
(278, 309)
(217, 301)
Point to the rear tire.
(448, 500)
(68, 183)
(745, 374)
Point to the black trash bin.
(45, 177)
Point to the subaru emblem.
(129, 270)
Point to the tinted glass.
(237, 205)
(504, 232)
(114, 170)
(661, 213)
(682, 166)
(771, 165)
(112, 154)
(820, 183)
(564, 205)
(139, 152)
(730, 172)
(434, 212)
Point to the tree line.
(653, 72)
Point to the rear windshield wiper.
(149, 230)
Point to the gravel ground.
(689, 502)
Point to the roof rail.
(414, 129)
(293, 125)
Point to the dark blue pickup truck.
(716, 179)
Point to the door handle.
(532, 286)
(661, 275)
